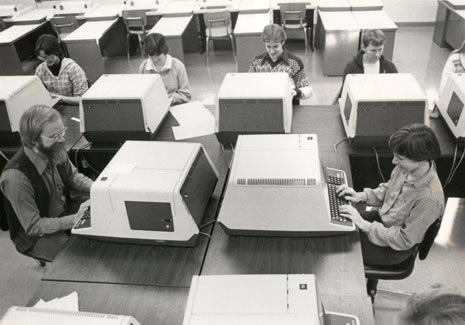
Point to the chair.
(64, 25)
(135, 22)
(404, 269)
(218, 26)
(293, 18)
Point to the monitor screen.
(347, 108)
(455, 108)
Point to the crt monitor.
(253, 103)
(119, 107)
(17, 94)
(451, 105)
(151, 192)
(373, 106)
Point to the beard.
(55, 153)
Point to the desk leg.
(440, 25)
(87, 54)
(10, 64)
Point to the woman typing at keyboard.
(407, 204)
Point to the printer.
(17, 94)
(120, 107)
(373, 106)
(277, 299)
(276, 187)
(151, 192)
(41, 316)
(253, 103)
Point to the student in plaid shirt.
(63, 77)
(278, 59)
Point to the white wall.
(402, 11)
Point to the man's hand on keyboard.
(351, 213)
(349, 194)
(82, 208)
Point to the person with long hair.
(62, 76)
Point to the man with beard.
(35, 184)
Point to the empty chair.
(218, 26)
(64, 25)
(293, 18)
(135, 22)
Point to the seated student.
(455, 64)
(62, 76)
(172, 70)
(370, 59)
(408, 203)
(434, 307)
(278, 59)
(35, 184)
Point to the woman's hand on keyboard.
(348, 211)
(350, 194)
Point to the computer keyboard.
(84, 222)
(336, 177)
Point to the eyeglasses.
(46, 57)
(57, 136)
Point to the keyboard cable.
(378, 164)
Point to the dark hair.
(373, 36)
(50, 45)
(416, 142)
(434, 307)
(155, 44)
(33, 121)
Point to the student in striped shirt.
(408, 203)
(278, 59)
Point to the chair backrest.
(217, 23)
(135, 20)
(64, 24)
(425, 246)
(292, 13)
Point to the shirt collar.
(38, 160)
(284, 57)
(426, 179)
(168, 63)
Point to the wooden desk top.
(254, 6)
(104, 12)
(374, 19)
(365, 5)
(15, 32)
(91, 30)
(148, 304)
(178, 8)
(171, 26)
(339, 21)
(34, 16)
(333, 5)
(251, 24)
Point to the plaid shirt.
(407, 209)
(71, 80)
(288, 63)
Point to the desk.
(248, 36)
(338, 39)
(148, 304)
(104, 12)
(17, 44)
(91, 41)
(178, 8)
(173, 29)
(35, 16)
(86, 260)
(254, 6)
(334, 5)
(360, 5)
(378, 19)
(450, 23)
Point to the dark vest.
(18, 235)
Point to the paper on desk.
(194, 120)
(69, 302)
(191, 113)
